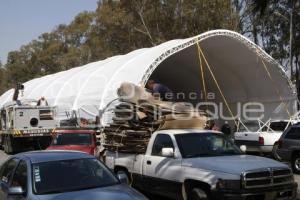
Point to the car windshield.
(72, 139)
(70, 175)
(278, 126)
(205, 145)
(251, 126)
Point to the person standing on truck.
(160, 90)
(19, 88)
(42, 102)
(97, 122)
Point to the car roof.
(75, 130)
(182, 131)
(52, 155)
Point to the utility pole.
(297, 82)
(291, 55)
(290, 20)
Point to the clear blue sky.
(24, 20)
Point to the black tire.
(198, 194)
(8, 146)
(296, 163)
(5, 147)
(2, 143)
(274, 152)
(44, 142)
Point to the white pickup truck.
(202, 164)
(259, 137)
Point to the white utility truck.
(26, 126)
(202, 164)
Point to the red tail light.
(261, 141)
(280, 143)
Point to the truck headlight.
(229, 184)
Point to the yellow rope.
(202, 72)
(215, 80)
(276, 89)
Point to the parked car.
(61, 175)
(288, 148)
(202, 164)
(78, 139)
(260, 137)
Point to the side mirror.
(16, 191)
(123, 178)
(243, 148)
(167, 152)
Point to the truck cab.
(78, 139)
(202, 164)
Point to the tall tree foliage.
(116, 27)
(2, 79)
(268, 23)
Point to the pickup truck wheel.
(8, 149)
(274, 152)
(296, 163)
(198, 194)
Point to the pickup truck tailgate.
(246, 138)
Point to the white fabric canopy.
(235, 61)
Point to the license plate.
(270, 195)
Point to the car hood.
(232, 164)
(117, 192)
(83, 148)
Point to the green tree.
(269, 22)
(117, 27)
(128, 25)
(2, 78)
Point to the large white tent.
(236, 62)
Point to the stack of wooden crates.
(134, 121)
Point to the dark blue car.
(61, 175)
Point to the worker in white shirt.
(42, 102)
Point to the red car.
(75, 139)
